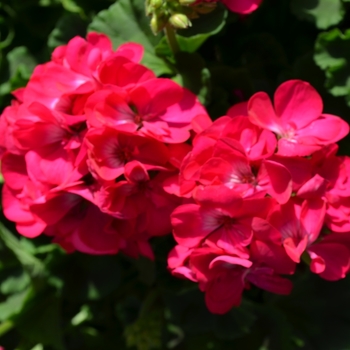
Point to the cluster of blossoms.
(265, 190)
(87, 146)
(95, 154)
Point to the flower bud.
(180, 21)
(156, 3)
(157, 24)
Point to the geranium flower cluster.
(265, 190)
(87, 146)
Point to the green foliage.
(332, 54)
(324, 13)
(125, 21)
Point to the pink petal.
(293, 249)
(262, 114)
(189, 226)
(280, 181)
(315, 187)
(273, 255)
(312, 217)
(226, 260)
(336, 260)
(297, 102)
(224, 292)
(242, 6)
(270, 282)
(238, 109)
(155, 96)
(131, 51)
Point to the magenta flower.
(296, 119)
(242, 6)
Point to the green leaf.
(145, 333)
(146, 270)
(126, 21)
(191, 39)
(66, 28)
(324, 13)
(16, 282)
(332, 54)
(91, 279)
(21, 63)
(12, 305)
(32, 265)
(83, 315)
(40, 321)
(193, 74)
(236, 323)
(71, 6)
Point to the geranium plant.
(175, 175)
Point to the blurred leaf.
(145, 332)
(71, 5)
(12, 305)
(38, 347)
(192, 73)
(332, 54)
(207, 24)
(5, 23)
(126, 21)
(66, 28)
(128, 309)
(16, 282)
(146, 269)
(91, 278)
(83, 315)
(188, 310)
(32, 265)
(40, 321)
(324, 13)
(236, 323)
(21, 63)
(192, 38)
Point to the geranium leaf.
(332, 54)
(32, 265)
(324, 13)
(66, 28)
(191, 39)
(12, 305)
(21, 64)
(40, 321)
(126, 21)
(16, 282)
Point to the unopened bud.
(180, 21)
(157, 24)
(156, 3)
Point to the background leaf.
(126, 21)
(332, 54)
(324, 13)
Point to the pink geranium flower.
(85, 149)
(296, 118)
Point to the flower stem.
(171, 38)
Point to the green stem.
(6, 327)
(171, 38)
